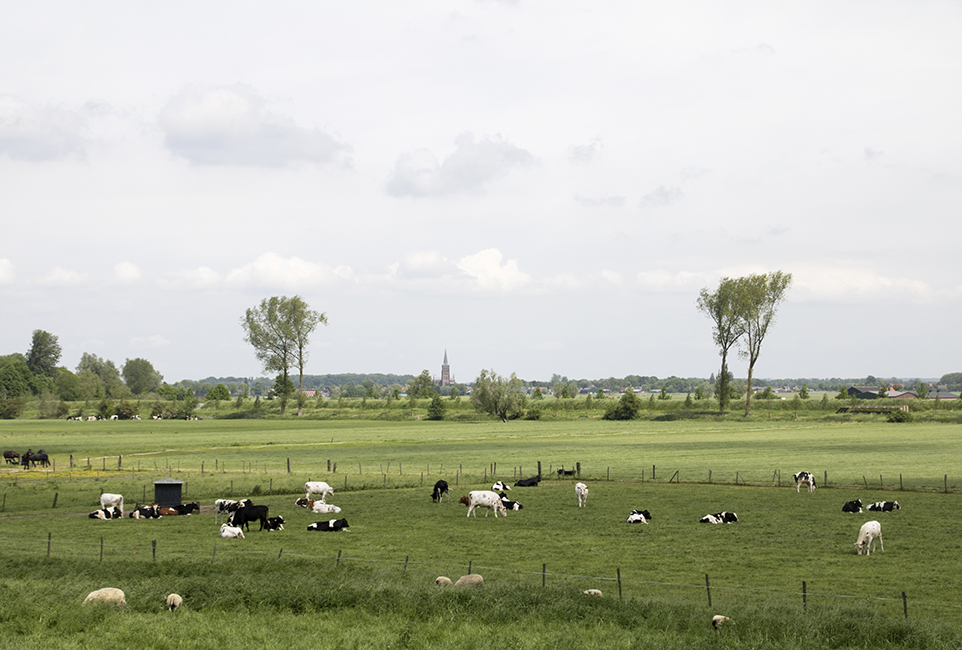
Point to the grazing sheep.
(109, 595)
(867, 534)
(442, 580)
(718, 620)
(592, 592)
(470, 580)
(582, 491)
(227, 531)
(173, 601)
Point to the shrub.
(899, 416)
(11, 408)
(626, 408)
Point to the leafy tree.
(803, 393)
(699, 393)
(272, 328)
(422, 386)
(537, 394)
(11, 408)
(498, 396)
(882, 392)
(600, 394)
(842, 393)
(688, 401)
(302, 322)
(219, 393)
(436, 408)
(455, 394)
(756, 300)
(663, 395)
(141, 377)
(111, 384)
(727, 328)
(15, 376)
(627, 408)
(283, 388)
(767, 393)
(125, 410)
(44, 354)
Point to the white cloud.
(127, 273)
(471, 166)
(6, 271)
(201, 278)
(661, 196)
(61, 277)
(270, 270)
(230, 125)
(423, 264)
(584, 153)
(39, 133)
(486, 268)
(843, 283)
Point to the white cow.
(317, 487)
(485, 499)
(867, 534)
(582, 491)
(108, 500)
(804, 478)
(227, 531)
(324, 508)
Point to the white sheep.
(227, 531)
(867, 534)
(582, 491)
(470, 580)
(592, 592)
(442, 580)
(718, 620)
(173, 601)
(109, 595)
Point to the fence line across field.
(24, 545)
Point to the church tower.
(445, 371)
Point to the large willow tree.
(719, 306)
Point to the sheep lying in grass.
(109, 595)
(592, 592)
(470, 580)
(173, 601)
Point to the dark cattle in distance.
(566, 472)
(529, 482)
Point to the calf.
(321, 508)
(852, 506)
(227, 531)
(275, 523)
(804, 478)
(867, 534)
(883, 506)
(243, 516)
(332, 525)
(581, 491)
(499, 486)
(719, 518)
(529, 482)
(440, 490)
(485, 499)
(639, 517)
(317, 487)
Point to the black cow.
(243, 516)
(440, 490)
(333, 524)
(529, 482)
(186, 508)
(566, 472)
(883, 506)
(275, 523)
(719, 518)
(852, 506)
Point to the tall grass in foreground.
(296, 604)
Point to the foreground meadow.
(372, 586)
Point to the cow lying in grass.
(719, 518)
(332, 525)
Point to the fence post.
(120, 460)
(708, 589)
(652, 472)
(544, 569)
(619, 584)
(288, 465)
(214, 554)
(405, 571)
(49, 539)
(279, 553)
(900, 481)
(946, 479)
(804, 596)
(825, 478)
(153, 546)
(55, 495)
(4, 508)
(905, 605)
(338, 561)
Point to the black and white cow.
(106, 513)
(332, 525)
(883, 506)
(639, 517)
(804, 478)
(509, 504)
(531, 481)
(225, 506)
(719, 518)
(275, 523)
(440, 490)
(852, 506)
(151, 511)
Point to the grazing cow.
(246, 514)
(317, 487)
(719, 518)
(581, 490)
(440, 490)
(509, 504)
(187, 508)
(883, 506)
(867, 534)
(106, 513)
(12, 457)
(173, 601)
(804, 478)
(108, 500)
(852, 506)
(485, 499)
(225, 506)
(500, 487)
(332, 525)
(529, 482)
(109, 595)
(639, 517)
(227, 531)
(275, 523)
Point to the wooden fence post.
(55, 495)
(214, 554)
(288, 465)
(49, 539)
(405, 571)
(153, 546)
(804, 596)
(825, 478)
(338, 561)
(544, 570)
(708, 589)
(619, 584)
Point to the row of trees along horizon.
(279, 328)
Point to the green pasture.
(369, 583)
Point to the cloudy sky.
(536, 187)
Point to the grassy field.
(372, 586)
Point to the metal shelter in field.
(167, 492)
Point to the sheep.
(109, 595)
(582, 491)
(592, 592)
(173, 601)
(470, 580)
(867, 534)
(228, 531)
(718, 620)
(442, 580)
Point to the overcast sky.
(535, 187)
